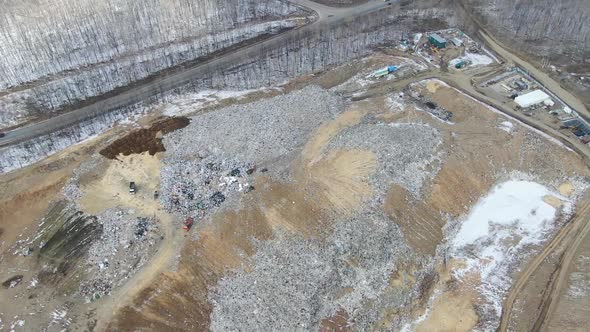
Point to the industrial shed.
(532, 98)
(437, 40)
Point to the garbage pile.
(127, 242)
(260, 132)
(193, 188)
(403, 151)
(427, 105)
(294, 282)
(215, 158)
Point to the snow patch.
(192, 102)
(478, 59)
(491, 240)
(507, 126)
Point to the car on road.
(2, 134)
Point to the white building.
(457, 42)
(532, 98)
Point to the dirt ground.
(470, 169)
(27, 193)
(572, 310)
(25, 198)
(453, 310)
(109, 189)
(28, 196)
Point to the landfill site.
(435, 184)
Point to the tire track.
(569, 231)
(551, 300)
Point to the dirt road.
(105, 191)
(550, 301)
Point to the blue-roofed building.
(437, 41)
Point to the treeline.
(543, 28)
(61, 52)
(311, 51)
(98, 80)
(43, 38)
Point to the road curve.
(327, 16)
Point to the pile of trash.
(192, 188)
(293, 282)
(215, 158)
(403, 151)
(127, 242)
(426, 105)
(260, 132)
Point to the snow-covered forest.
(559, 30)
(59, 52)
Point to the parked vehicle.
(188, 223)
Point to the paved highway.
(327, 16)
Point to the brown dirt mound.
(145, 139)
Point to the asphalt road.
(327, 16)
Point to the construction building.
(532, 98)
(579, 128)
(437, 41)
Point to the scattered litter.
(126, 243)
